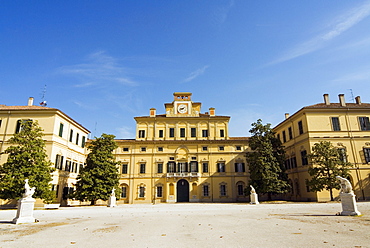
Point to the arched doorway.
(182, 191)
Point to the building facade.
(182, 156)
(345, 125)
(65, 142)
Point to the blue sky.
(105, 62)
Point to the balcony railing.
(183, 174)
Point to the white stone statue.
(113, 192)
(345, 185)
(252, 189)
(28, 190)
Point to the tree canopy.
(266, 161)
(100, 175)
(328, 163)
(27, 159)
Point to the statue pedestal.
(349, 206)
(112, 202)
(25, 211)
(254, 198)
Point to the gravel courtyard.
(190, 225)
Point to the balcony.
(183, 174)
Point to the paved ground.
(190, 225)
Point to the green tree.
(101, 174)
(266, 161)
(27, 159)
(328, 163)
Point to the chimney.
(152, 112)
(358, 100)
(286, 116)
(212, 111)
(341, 100)
(30, 101)
(326, 99)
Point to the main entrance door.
(182, 191)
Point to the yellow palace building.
(345, 125)
(182, 156)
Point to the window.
(124, 168)
(300, 127)
(141, 192)
(171, 168)
(278, 137)
(1, 122)
(205, 167)
(182, 132)
(220, 167)
(80, 167)
(71, 135)
(59, 162)
(160, 168)
(290, 133)
(68, 165)
(193, 131)
(20, 125)
(204, 148)
(125, 149)
(284, 137)
(143, 149)
(367, 154)
(77, 138)
(221, 148)
(160, 134)
(335, 123)
(205, 133)
(364, 123)
(342, 154)
(239, 167)
(141, 133)
(206, 190)
(304, 157)
(159, 191)
(142, 168)
(83, 141)
(172, 158)
(193, 158)
(182, 167)
(160, 148)
(293, 162)
(61, 126)
(222, 133)
(238, 148)
(240, 189)
(193, 166)
(172, 132)
(124, 192)
(222, 190)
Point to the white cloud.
(196, 74)
(221, 13)
(340, 25)
(99, 67)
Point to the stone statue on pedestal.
(112, 199)
(25, 206)
(347, 198)
(254, 196)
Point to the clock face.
(182, 108)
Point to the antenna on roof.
(43, 103)
(353, 98)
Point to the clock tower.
(182, 106)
